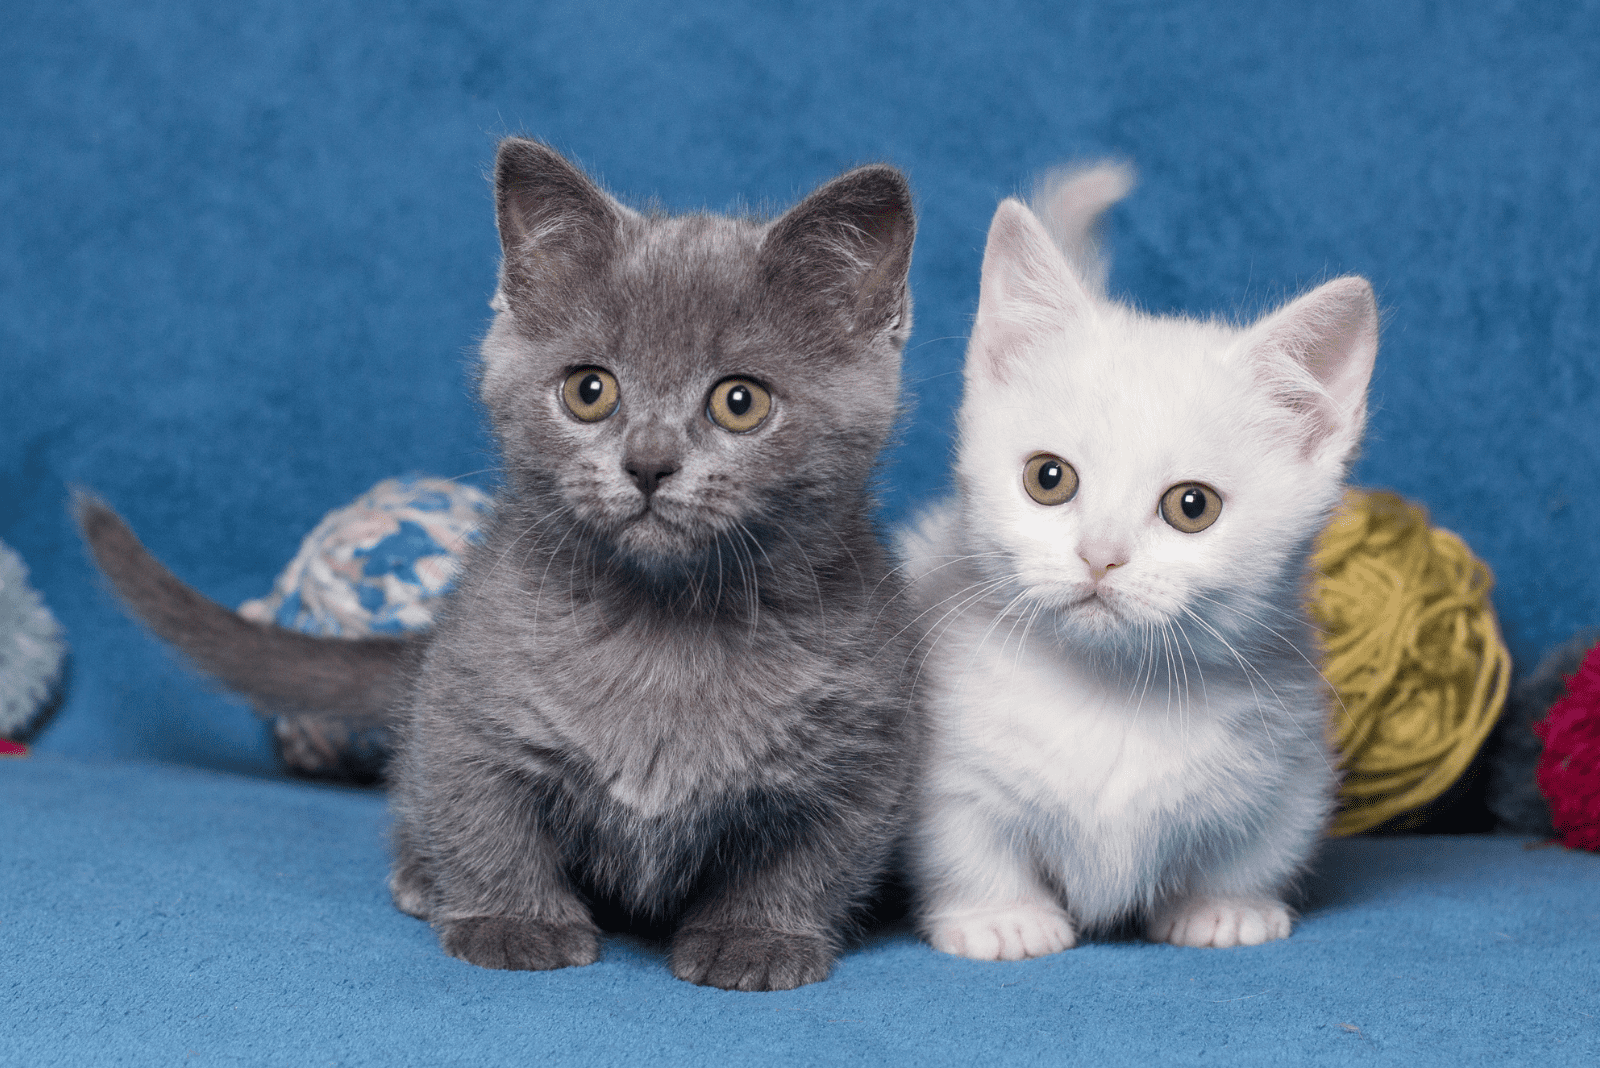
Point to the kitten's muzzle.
(652, 455)
(647, 473)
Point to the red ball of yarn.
(1569, 767)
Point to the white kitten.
(1129, 720)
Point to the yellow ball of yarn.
(1413, 651)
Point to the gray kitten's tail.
(1070, 201)
(362, 681)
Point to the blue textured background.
(245, 250)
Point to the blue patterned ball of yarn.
(379, 564)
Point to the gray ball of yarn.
(33, 651)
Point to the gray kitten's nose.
(652, 453)
(648, 471)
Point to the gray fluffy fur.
(1513, 749)
(33, 651)
(672, 682)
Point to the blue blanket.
(245, 254)
(163, 915)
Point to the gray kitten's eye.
(1191, 506)
(590, 394)
(738, 404)
(1049, 479)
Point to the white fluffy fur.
(1129, 722)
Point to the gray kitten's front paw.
(511, 943)
(750, 958)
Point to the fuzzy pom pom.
(1569, 768)
(33, 651)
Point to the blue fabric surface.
(164, 915)
(245, 251)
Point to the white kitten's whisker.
(1291, 644)
(928, 645)
(1022, 645)
(1186, 694)
(1174, 679)
(936, 631)
(1321, 749)
(998, 618)
(949, 561)
(1146, 666)
(964, 591)
(940, 627)
(1249, 671)
(1199, 667)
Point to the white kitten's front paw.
(1014, 933)
(1220, 922)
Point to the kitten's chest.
(1105, 755)
(667, 717)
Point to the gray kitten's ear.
(556, 226)
(1028, 294)
(1316, 356)
(849, 245)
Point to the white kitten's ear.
(1028, 292)
(1316, 356)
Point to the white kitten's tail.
(1070, 200)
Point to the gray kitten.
(671, 681)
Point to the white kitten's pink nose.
(1102, 558)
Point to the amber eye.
(1049, 479)
(738, 404)
(1191, 506)
(590, 394)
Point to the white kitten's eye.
(738, 404)
(1191, 506)
(1049, 479)
(590, 394)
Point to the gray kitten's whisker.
(533, 528)
(811, 570)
